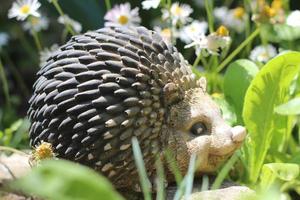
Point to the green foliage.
(280, 32)
(291, 107)
(237, 79)
(273, 172)
(268, 89)
(63, 180)
(15, 135)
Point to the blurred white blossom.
(213, 44)
(122, 15)
(232, 18)
(46, 53)
(4, 37)
(178, 13)
(193, 30)
(293, 19)
(263, 53)
(166, 33)
(35, 24)
(147, 4)
(21, 9)
(66, 20)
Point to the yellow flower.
(276, 5)
(222, 31)
(268, 11)
(43, 151)
(239, 12)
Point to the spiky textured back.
(101, 89)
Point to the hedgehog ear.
(202, 83)
(171, 94)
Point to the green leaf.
(278, 171)
(291, 107)
(63, 180)
(237, 79)
(267, 90)
(227, 110)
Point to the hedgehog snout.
(238, 134)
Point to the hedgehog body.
(104, 87)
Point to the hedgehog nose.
(238, 133)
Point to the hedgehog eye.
(199, 129)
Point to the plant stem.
(62, 14)
(196, 62)
(26, 45)
(210, 17)
(16, 74)
(37, 40)
(108, 5)
(5, 85)
(5, 148)
(237, 50)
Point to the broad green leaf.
(237, 79)
(278, 171)
(63, 180)
(267, 90)
(291, 107)
(227, 110)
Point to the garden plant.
(244, 54)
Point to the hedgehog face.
(198, 126)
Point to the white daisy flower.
(165, 33)
(192, 30)
(147, 4)
(66, 20)
(24, 8)
(213, 44)
(122, 15)
(4, 37)
(46, 53)
(35, 24)
(232, 18)
(179, 13)
(263, 53)
(293, 19)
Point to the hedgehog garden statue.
(105, 87)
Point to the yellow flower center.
(34, 20)
(178, 10)
(166, 32)
(268, 11)
(123, 19)
(44, 151)
(193, 29)
(25, 9)
(239, 12)
(222, 31)
(276, 5)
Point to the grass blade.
(224, 171)
(160, 187)
(138, 158)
